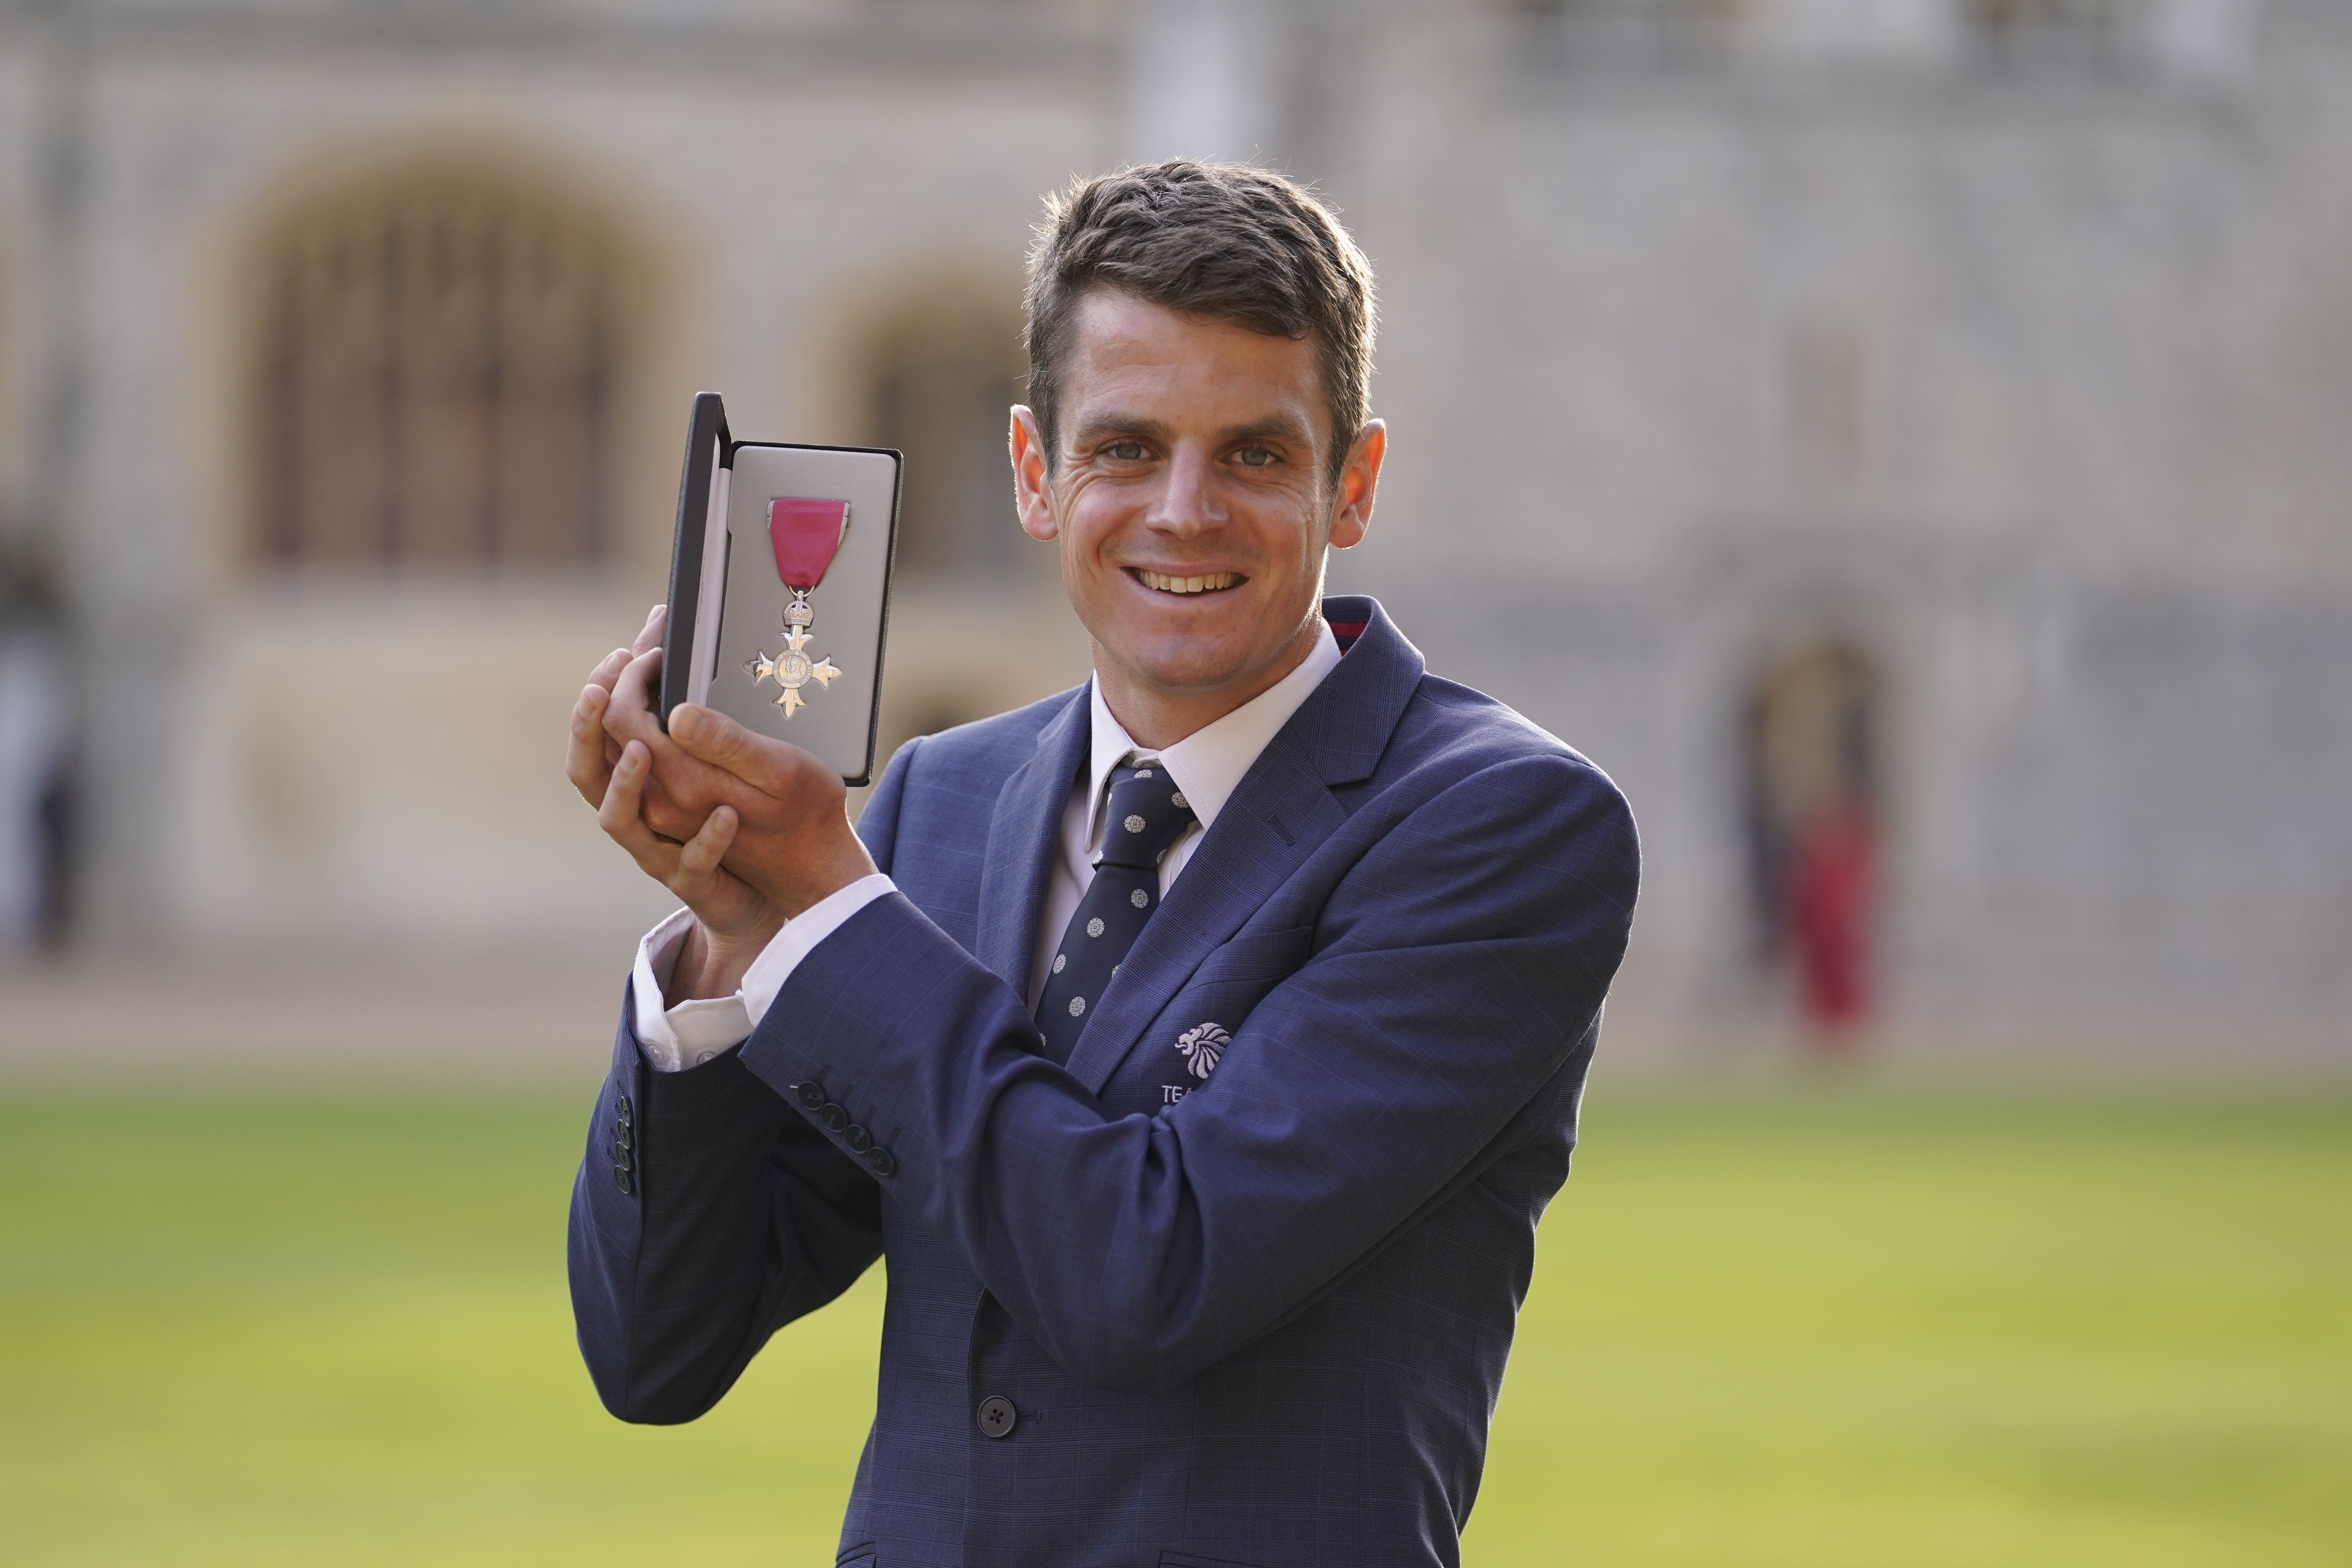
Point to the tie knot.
(1146, 815)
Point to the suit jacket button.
(624, 1112)
(809, 1095)
(997, 1416)
(858, 1138)
(885, 1163)
(621, 1180)
(833, 1117)
(622, 1137)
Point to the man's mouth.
(1208, 582)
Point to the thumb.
(712, 737)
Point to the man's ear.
(1033, 482)
(1351, 508)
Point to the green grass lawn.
(1835, 1327)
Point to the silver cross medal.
(792, 668)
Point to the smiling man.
(1200, 1047)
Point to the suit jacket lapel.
(1282, 811)
(1239, 864)
(1022, 842)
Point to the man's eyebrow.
(1116, 424)
(1277, 427)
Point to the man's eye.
(1124, 451)
(1254, 457)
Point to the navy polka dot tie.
(1146, 815)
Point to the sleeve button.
(885, 1163)
(621, 1180)
(833, 1117)
(809, 1095)
(858, 1138)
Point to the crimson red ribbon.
(805, 531)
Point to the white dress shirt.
(1206, 764)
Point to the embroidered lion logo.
(1202, 1045)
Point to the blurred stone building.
(1927, 417)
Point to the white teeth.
(1189, 585)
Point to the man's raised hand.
(788, 837)
(731, 914)
(733, 921)
(795, 843)
(616, 707)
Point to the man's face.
(1190, 494)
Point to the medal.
(805, 532)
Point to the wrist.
(713, 964)
(844, 864)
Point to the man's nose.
(1188, 501)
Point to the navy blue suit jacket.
(1261, 1324)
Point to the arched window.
(439, 354)
(2026, 33)
(944, 381)
(1813, 826)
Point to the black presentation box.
(728, 645)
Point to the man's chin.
(1197, 667)
(1189, 673)
(1190, 647)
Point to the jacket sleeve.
(1459, 964)
(706, 1216)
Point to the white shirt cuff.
(692, 1033)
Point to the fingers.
(629, 721)
(771, 767)
(608, 669)
(626, 675)
(680, 790)
(720, 901)
(656, 623)
(589, 758)
(622, 817)
(630, 713)
(713, 737)
(697, 879)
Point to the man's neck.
(1155, 718)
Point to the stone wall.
(2016, 362)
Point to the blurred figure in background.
(1813, 818)
(35, 745)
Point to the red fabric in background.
(1830, 895)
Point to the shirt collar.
(1208, 763)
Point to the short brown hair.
(1223, 241)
